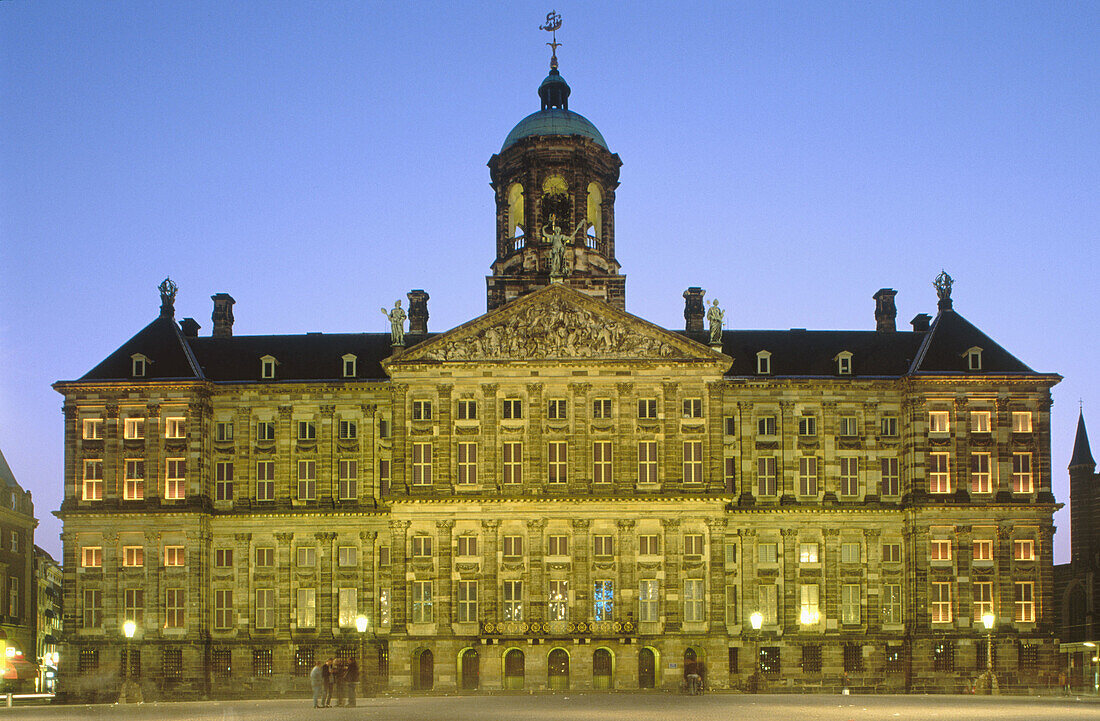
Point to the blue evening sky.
(317, 160)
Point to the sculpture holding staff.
(397, 318)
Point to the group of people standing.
(336, 674)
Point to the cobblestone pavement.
(593, 707)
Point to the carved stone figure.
(715, 315)
(397, 323)
(559, 265)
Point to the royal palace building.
(558, 494)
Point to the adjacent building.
(558, 493)
(18, 667)
(47, 576)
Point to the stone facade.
(17, 612)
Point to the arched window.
(595, 211)
(515, 210)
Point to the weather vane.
(553, 22)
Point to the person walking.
(339, 674)
(329, 681)
(317, 681)
(351, 680)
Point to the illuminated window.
(1021, 473)
(93, 429)
(766, 594)
(91, 556)
(693, 461)
(601, 409)
(174, 479)
(601, 462)
(939, 422)
(133, 556)
(647, 600)
(133, 428)
(891, 603)
(1023, 549)
(133, 605)
(983, 549)
(265, 481)
(647, 408)
(983, 599)
(556, 458)
(421, 410)
(693, 600)
(173, 556)
(979, 421)
(849, 476)
(467, 410)
(939, 550)
(513, 462)
(766, 476)
(1021, 421)
(647, 461)
(1025, 602)
(807, 553)
(467, 464)
(133, 488)
(305, 610)
(941, 602)
(850, 602)
(603, 600)
(307, 480)
(939, 476)
(347, 470)
(980, 476)
(422, 464)
(512, 409)
(557, 605)
(265, 608)
(92, 488)
(513, 601)
(347, 607)
(557, 409)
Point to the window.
(350, 364)
(467, 411)
(133, 605)
(974, 359)
(422, 464)
(134, 488)
(513, 547)
(557, 606)
(849, 426)
(766, 595)
(174, 479)
(647, 600)
(347, 607)
(807, 476)
(133, 429)
(807, 553)
(383, 428)
(729, 425)
(307, 556)
(556, 461)
(939, 422)
(891, 603)
(133, 556)
(1021, 473)
(891, 553)
(763, 362)
(557, 409)
(983, 599)
(305, 610)
(384, 477)
(267, 367)
(767, 553)
(647, 461)
(265, 557)
(941, 602)
(92, 488)
(93, 608)
(223, 431)
(807, 425)
(766, 476)
(265, 608)
(512, 409)
(558, 546)
(307, 480)
(93, 429)
(15, 541)
(850, 552)
(693, 600)
(174, 556)
(895, 660)
(943, 656)
(467, 464)
(850, 603)
(732, 617)
(513, 601)
(939, 550)
(809, 607)
(849, 477)
(765, 426)
(732, 659)
(729, 474)
(348, 482)
(601, 462)
(980, 477)
(467, 546)
(265, 431)
(888, 426)
(349, 430)
(693, 544)
(693, 408)
(730, 555)
(223, 608)
(262, 666)
(265, 481)
(223, 481)
(1029, 658)
(770, 661)
(1023, 549)
(176, 428)
(983, 550)
(649, 545)
(1021, 421)
(939, 476)
(421, 410)
(421, 546)
(467, 601)
(601, 409)
(307, 431)
(223, 558)
(811, 658)
(513, 463)
(693, 461)
(91, 557)
(647, 408)
(890, 481)
(603, 600)
(347, 556)
(1025, 602)
(603, 546)
(853, 657)
(383, 556)
(844, 363)
(979, 421)
(173, 608)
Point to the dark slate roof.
(812, 352)
(1082, 454)
(948, 340)
(6, 476)
(163, 343)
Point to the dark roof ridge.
(1082, 454)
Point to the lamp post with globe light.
(988, 620)
(131, 691)
(756, 620)
(361, 627)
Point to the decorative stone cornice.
(368, 536)
(242, 537)
(284, 537)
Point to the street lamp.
(756, 620)
(131, 691)
(128, 629)
(987, 620)
(361, 627)
(1095, 666)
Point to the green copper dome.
(554, 121)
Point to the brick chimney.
(694, 310)
(190, 328)
(222, 315)
(886, 313)
(921, 322)
(418, 311)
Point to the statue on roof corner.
(943, 283)
(168, 289)
(715, 315)
(397, 323)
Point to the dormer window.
(843, 363)
(267, 366)
(763, 362)
(350, 365)
(974, 358)
(139, 365)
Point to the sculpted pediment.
(557, 323)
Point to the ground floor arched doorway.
(471, 670)
(557, 670)
(647, 668)
(423, 670)
(513, 670)
(603, 664)
(694, 666)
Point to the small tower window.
(515, 210)
(763, 362)
(595, 211)
(139, 365)
(350, 363)
(843, 363)
(267, 366)
(974, 358)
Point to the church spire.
(1082, 454)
